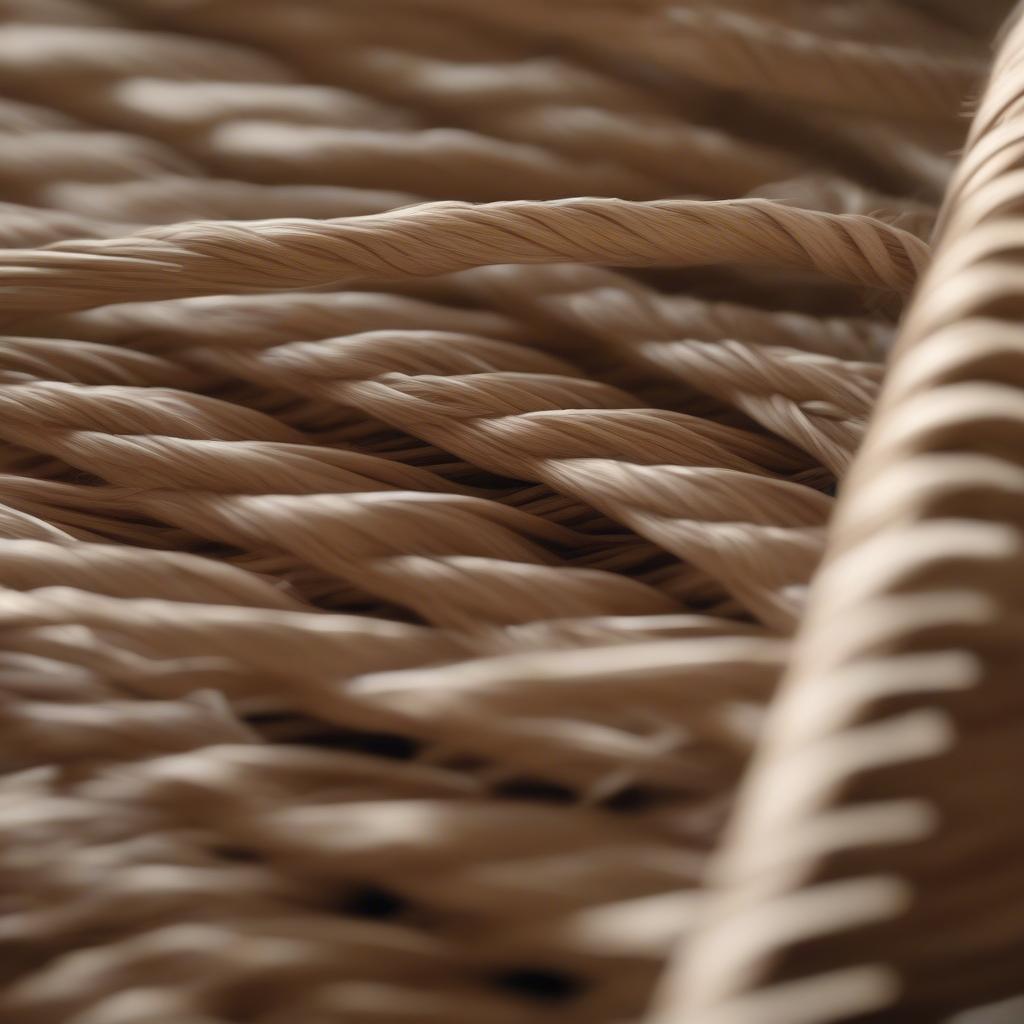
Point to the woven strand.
(200, 259)
(394, 593)
(884, 849)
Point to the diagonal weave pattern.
(420, 424)
(880, 823)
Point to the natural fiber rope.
(393, 592)
(203, 259)
(872, 866)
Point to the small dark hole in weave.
(80, 476)
(476, 477)
(467, 763)
(372, 901)
(527, 788)
(634, 799)
(380, 744)
(237, 854)
(540, 984)
(269, 717)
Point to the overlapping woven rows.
(420, 424)
(873, 868)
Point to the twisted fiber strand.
(496, 85)
(234, 628)
(874, 77)
(18, 116)
(240, 467)
(684, 585)
(546, 103)
(469, 896)
(314, 942)
(344, 45)
(198, 258)
(762, 562)
(419, 78)
(439, 163)
(233, 126)
(43, 148)
(364, 351)
(94, 452)
(557, 307)
(252, 657)
(749, 286)
(732, 49)
(817, 402)
(166, 199)
(836, 195)
(30, 505)
(32, 162)
(490, 551)
(230, 321)
(737, 671)
(131, 181)
(922, 685)
(271, 814)
(231, 418)
(383, 369)
(250, 129)
(18, 525)
(101, 434)
(716, 164)
(161, 459)
(559, 446)
(529, 82)
(223, 86)
(96, 55)
(736, 50)
(160, 105)
(478, 96)
(260, 135)
(430, 31)
(614, 308)
(598, 755)
(424, 73)
(24, 227)
(24, 359)
(122, 571)
(512, 93)
(49, 403)
(111, 514)
(456, 542)
(302, 449)
(874, 21)
(408, 352)
(337, 643)
(31, 420)
(422, 79)
(59, 12)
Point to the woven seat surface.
(510, 512)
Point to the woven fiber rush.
(421, 426)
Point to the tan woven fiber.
(872, 870)
(199, 259)
(421, 423)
